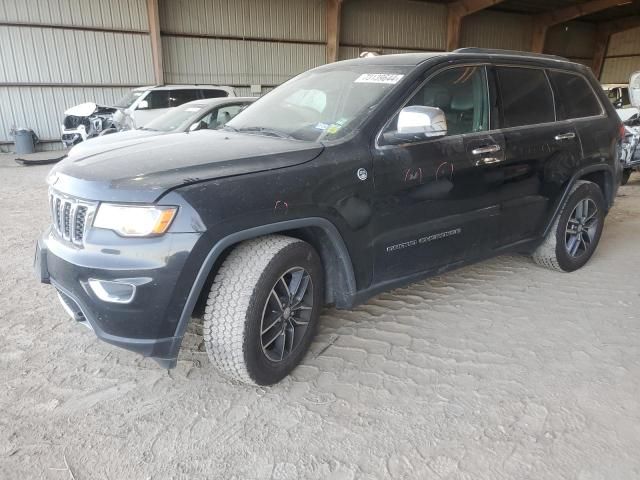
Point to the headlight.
(133, 220)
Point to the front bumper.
(73, 136)
(148, 323)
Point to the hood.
(100, 144)
(82, 110)
(88, 109)
(142, 170)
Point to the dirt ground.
(502, 370)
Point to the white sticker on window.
(391, 78)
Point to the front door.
(433, 206)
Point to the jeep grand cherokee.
(349, 179)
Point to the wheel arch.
(340, 285)
(601, 174)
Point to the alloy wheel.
(286, 314)
(581, 228)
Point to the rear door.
(540, 152)
(578, 104)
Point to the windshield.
(129, 98)
(178, 118)
(320, 104)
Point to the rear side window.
(178, 97)
(158, 99)
(574, 97)
(526, 96)
(210, 93)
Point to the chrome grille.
(71, 217)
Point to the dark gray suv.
(348, 180)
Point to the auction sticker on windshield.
(391, 78)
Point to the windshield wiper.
(266, 131)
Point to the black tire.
(626, 173)
(250, 284)
(554, 252)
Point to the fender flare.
(608, 193)
(221, 245)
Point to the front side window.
(220, 116)
(574, 97)
(129, 99)
(461, 94)
(321, 104)
(526, 97)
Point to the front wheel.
(626, 173)
(576, 232)
(263, 309)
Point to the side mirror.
(417, 123)
(429, 121)
(198, 126)
(143, 105)
(634, 89)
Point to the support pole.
(334, 8)
(156, 43)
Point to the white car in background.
(618, 94)
(134, 110)
(197, 115)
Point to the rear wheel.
(263, 309)
(576, 231)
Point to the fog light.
(113, 292)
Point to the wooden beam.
(456, 11)
(543, 21)
(334, 8)
(604, 32)
(156, 43)
(600, 51)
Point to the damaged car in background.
(630, 151)
(197, 115)
(134, 110)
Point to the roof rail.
(497, 51)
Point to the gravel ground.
(502, 370)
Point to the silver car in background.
(199, 114)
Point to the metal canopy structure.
(66, 52)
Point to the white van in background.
(143, 104)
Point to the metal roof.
(625, 9)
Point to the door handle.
(487, 149)
(487, 161)
(565, 136)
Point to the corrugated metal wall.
(241, 43)
(496, 30)
(58, 53)
(623, 57)
(404, 26)
(111, 14)
(574, 40)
